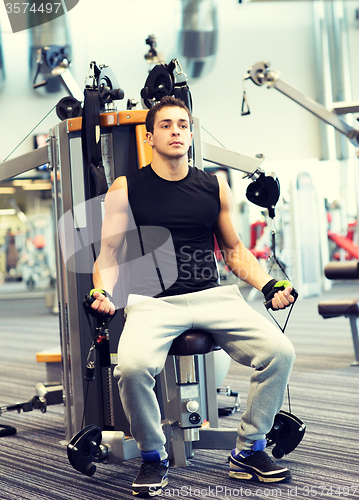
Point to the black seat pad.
(340, 307)
(343, 270)
(193, 342)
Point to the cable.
(51, 110)
(213, 137)
(289, 405)
(275, 260)
(85, 403)
(90, 363)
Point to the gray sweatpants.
(248, 337)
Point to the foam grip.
(268, 303)
(88, 300)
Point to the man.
(193, 205)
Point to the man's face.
(171, 132)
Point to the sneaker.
(152, 476)
(256, 464)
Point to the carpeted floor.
(324, 394)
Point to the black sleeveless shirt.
(182, 212)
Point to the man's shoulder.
(125, 180)
(204, 176)
(119, 183)
(138, 174)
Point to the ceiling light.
(21, 182)
(7, 211)
(37, 186)
(7, 190)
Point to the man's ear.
(149, 138)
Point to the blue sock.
(150, 456)
(258, 445)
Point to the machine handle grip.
(106, 318)
(268, 303)
(88, 300)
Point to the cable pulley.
(264, 192)
(164, 80)
(68, 107)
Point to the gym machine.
(35, 403)
(2, 66)
(260, 75)
(346, 307)
(53, 62)
(85, 154)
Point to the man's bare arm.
(105, 270)
(237, 257)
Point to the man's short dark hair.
(167, 101)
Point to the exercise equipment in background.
(166, 80)
(198, 37)
(345, 243)
(348, 308)
(261, 75)
(2, 66)
(49, 51)
(38, 402)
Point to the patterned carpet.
(324, 394)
